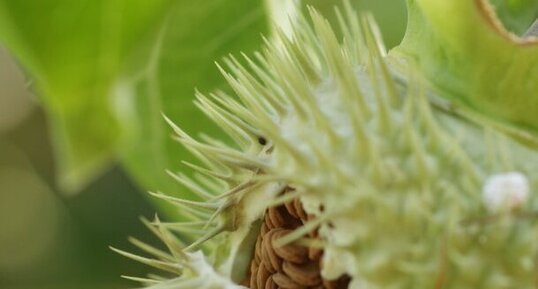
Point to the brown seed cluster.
(292, 266)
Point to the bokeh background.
(49, 239)
(55, 233)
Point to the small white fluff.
(505, 191)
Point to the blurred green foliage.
(107, 70)
(182, 58)
(52, 241)
(74, 51)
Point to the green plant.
(414, 169)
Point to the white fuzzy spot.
(505, 191)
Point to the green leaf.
(74, 50)
(473, 61)
(182, 58)
(107, 70)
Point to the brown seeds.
(276, 217)
(314, 253)
(299, 209)
(274, 263)
(284, 281)
(265, 229)
(291, 266)
(291, 209)
(307, 274)
(253, 277)
(291, 252)
(270, 284)
(262, 275)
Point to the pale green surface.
(473, 65)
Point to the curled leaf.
(475, 62)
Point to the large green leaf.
(479, 66)
(182, 58)
(107, 70)
(74, 50)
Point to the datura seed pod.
(354, 168)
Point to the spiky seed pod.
(399, 192)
